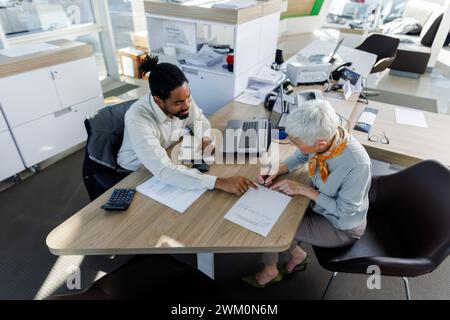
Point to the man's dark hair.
(164, 77)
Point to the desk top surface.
(362, 62)
(408, 144)
(202, 10)
(149, 227)
(66, 51)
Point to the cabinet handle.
(63, 112)
(52, 74)
(191, 71)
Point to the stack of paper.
(258, 210)
(206, 57)
(235, 4)
(410, 117)
(175, 198)
(260, 85)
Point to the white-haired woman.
(340, 171)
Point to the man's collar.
(160, 115)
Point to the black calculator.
(120, 200)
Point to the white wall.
(305, 24)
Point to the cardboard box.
(130, 59)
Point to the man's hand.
(235, 185)
(207, 148)
(294, 188)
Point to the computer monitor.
(277, 110)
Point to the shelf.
(206, 13)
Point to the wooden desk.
(408, 145)
(149, 227)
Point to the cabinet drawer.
(27, 96)
(50, 135)
(11, 163)
(77, 81)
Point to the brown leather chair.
(384, 47)
(408, 231)
(159, 277)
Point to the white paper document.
(410, 117)
(206, 57)
(249, 98)
(175, 198)
(258, 210)
(27, 49)
(260, 85)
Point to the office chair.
(105, 135)
(385, 48)
(408, 227)
(159, 277)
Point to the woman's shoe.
(251, 280)
(300, 267)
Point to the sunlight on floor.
(54, 279)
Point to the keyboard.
(249, 141)
(250, 125)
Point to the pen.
(268, 173)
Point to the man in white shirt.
(157, 121)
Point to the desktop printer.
(307, 73)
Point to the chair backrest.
(430, 29)
(421, 10)
(105, 134)
(416, 204)
(382, 45)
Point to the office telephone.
(336, 74)
(272, 96)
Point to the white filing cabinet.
(46, 107)
(43, 138)
(10, 162)
(251, 32)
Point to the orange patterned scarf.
(336, 148)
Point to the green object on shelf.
(316, 7)
(315, 10)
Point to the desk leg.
(205, 263)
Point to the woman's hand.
(294, 188)
(267, 180)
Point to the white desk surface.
(362, 62)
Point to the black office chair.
(408, 226)
(385, 47)
(105, 135)
(159, 277)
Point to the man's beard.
(181, 116)
(178, 115)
